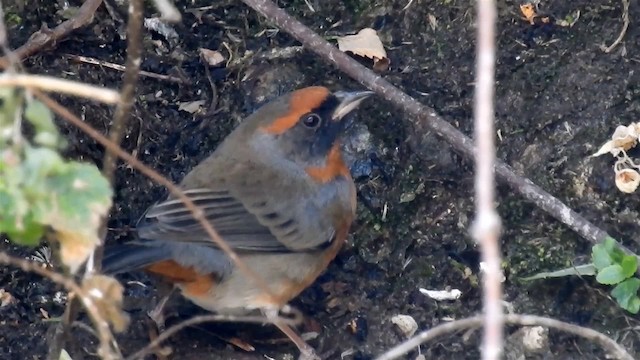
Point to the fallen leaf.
(6, 298)
(529, 12)
(239, 343)
(191, 106)
(623, 138)
(211, 57)
(365, 43)
(441, 295)
(407, 324)
(627, 180)
(107, 294)
(581, 270)
(433, 22)
(44, 313)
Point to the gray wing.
(254, 223)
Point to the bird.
(277, 191)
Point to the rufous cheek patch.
(334, 167)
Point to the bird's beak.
(348, 102)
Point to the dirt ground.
(559, 97)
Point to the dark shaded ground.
(557, 101)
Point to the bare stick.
(45, 36)
(486, 226)
(102, 326)
(603, 340)
(426, 119)
(128, 91)
(49, 83)
(118, 67)
(196, 211)
(121, 115)
(194, 321)
(625, 26)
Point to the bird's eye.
(312, 120)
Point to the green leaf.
(79, 197)
(634, 305)
(583, 270)
(39, 116)
(610, 244)
(625, 292)
(614, 250)
(16, 220)
(8, 103)
(629, 265)
(600, 256)
(611, 275)
(47, 139)
(30, 235)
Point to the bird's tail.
(132, 256)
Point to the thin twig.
(625, 26)
(603, 340)
(102, 326)
(121, 115)
(486, 225)
(49, 83)
(149, 348)
(128, 91)
(196, 211)
(118, 67)
(62, 330)
(46, 36)
(426, 119)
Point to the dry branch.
(53, 84)
(426, 119)
(46, 36)
(603, 340)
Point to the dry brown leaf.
(433, 22)
(44, 313)
(365, 43)
(211, 57)
(75, 248)
(239, 343)
(107, 293)
(6, 298)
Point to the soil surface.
(558, 98)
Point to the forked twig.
(603, 340)
(102, 326)
(46, 36)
